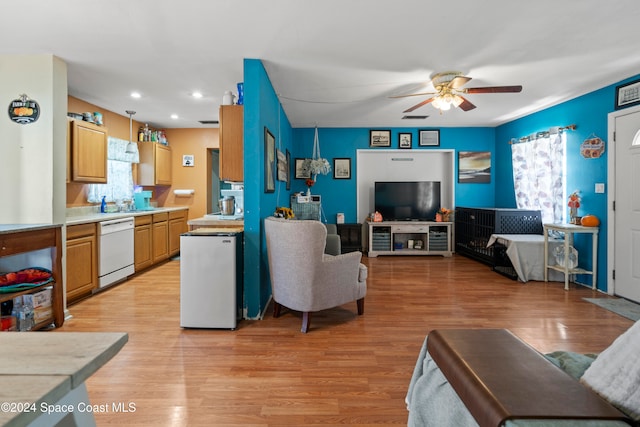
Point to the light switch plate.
(599, 187)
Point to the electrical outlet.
(599, 187)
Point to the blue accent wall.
(339, 195)
(263, 109)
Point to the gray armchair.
(303, 277)
(334, 245)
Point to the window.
(119, 184)
(538, 174)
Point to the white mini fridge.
(211, 279)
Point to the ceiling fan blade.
(458, 81)
(466, 105)
(415, 107)
(413, 94)
(494, 89)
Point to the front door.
(627, 206)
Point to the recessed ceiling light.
(196, 95)
(136, 95)
(174, 116)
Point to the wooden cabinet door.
(155, 164)
(160, 241)
(82, 262)
(163, 165)
(88, 152)
(143, 256)
(176, 228)
(231, 143)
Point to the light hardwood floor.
(348, 369)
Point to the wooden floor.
(348, 369)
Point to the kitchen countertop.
(14, 228)
(206, 221)
(98, 217)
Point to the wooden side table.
(570, 230)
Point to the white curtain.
(119, 186)
(538, 175)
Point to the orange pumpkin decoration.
(590, 221)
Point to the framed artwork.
(628, 95)
(187, 160)
(300, 172)
(342, 168)
(380, 138)
(288, 170)
(404, 140)
(269, 162)
(281, 166)
(474, 167)
(429, 137)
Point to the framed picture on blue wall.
(269, 162)
(627, 95)
(342, 168)
(429, 138)
(300, 172)
(474, 167)
(404, 140)
(379, 138)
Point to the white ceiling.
(333, 63)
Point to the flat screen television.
(407, 201)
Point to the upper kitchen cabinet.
(88, 152)
(155, 164)
(231, 143)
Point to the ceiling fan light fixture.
(437, 102)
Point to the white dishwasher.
(115, 251)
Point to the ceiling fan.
(449, 91)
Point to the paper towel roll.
(183, 192)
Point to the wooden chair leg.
(276, 309)
(360, 303)
(306, 320)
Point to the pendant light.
(132, 147)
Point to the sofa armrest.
(499, 377)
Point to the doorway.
(624, 204)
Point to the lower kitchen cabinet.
(82, 261)
(177, 226)
(143, 255)
(160, 239)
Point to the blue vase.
(240, 93)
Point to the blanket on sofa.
(615, 374)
